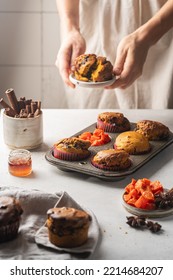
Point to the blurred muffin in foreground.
(111, 160)
(113, 122)
(71, 149)
(89, 67)
(132, 142)
(68, 227)
(10, 214)
(152, 130)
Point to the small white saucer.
(91, 84)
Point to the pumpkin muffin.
(132, 142)
(111, 160)
(68, 227)
(71, 149)
(113, 122)
(103, 71)
(89, 67)
(152, 130)
(10, 214)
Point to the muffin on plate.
(71, 149)
(111, 160)
(153, 130)
(68, 227)
(132, 142)
(89, 67)
(113, 122)
(10, 214)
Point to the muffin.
(67, 227)
(152, 130)
(113, 122)
(71, 149)
(111, 160)
(10, 214)
(89, 67)
(132, 142)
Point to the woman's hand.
(72, 46)
(131, 55)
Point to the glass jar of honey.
(20, 162)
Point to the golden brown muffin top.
(111, 117)
(72, 144)
(111, 157)
(153, 130)
(10, 210)
(132, 142)
(67, 217)
(84, 63)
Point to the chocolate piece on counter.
(136, 222)
(12, 99)
(141, 222)
(154, 227)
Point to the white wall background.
(29, 42)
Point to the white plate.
(158, 213)
(91, 84)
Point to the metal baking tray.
(86, 167)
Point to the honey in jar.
(20, 162)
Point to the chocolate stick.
(5, 105)
(33, 107)
(9, 112)
(28, 102)
(21, 104)
(12, 99)
(39, 105)
(28, 109)
(31, 115)
(23, 113)
(37, 112)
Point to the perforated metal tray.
(86, 167)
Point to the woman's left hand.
(131, 55)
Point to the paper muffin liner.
(69, 156)
(8, 232)
(113, 128)
(107, 127)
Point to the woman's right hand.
(72, 46)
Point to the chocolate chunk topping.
(142, 223)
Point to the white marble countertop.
(118, 240)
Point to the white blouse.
(103, 24)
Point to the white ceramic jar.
(23, 133)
